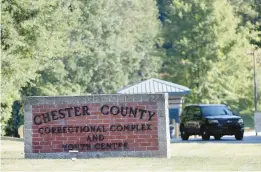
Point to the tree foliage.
(64, 47)
(206, 49)
(75, 47)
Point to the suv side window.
(196, 111)
(184, 112)
(189, 111)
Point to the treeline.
(79, 47)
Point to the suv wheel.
(217, 137)
(184, 135)
(205, 135)
(239, 135)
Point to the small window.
(196, 111)
(184, 112)
(189, 111)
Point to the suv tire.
(184, 135)
(217, 137)
(239, 135)
(205, 135)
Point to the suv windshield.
(215, 110)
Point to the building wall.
(175, 102)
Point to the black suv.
(210, 120)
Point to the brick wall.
(104, 125)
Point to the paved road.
(249, 138)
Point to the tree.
(206, 50)
(32, 34)
(249, 13)
(111, 45)
(76, 47)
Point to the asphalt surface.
(249, 138)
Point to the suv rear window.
(215, 110)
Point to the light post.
(255, 88)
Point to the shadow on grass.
(12, 139)
(225, 140)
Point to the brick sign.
(96, 126)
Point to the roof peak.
(154, 85)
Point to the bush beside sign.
(97, 126)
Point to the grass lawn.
(205, 156)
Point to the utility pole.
(255, 87)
